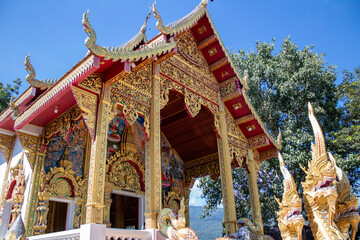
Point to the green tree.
(346, 143)
(7, 91)
(281, 84)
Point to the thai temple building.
(102, 151)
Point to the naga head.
(290, 218)
(143, 27)
(346, 210)
(319, 186)
(156, 13)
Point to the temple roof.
(123, 58)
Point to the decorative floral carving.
(188, 48)
(6, 144)
(210, 168)
(63, 124)
(30, 144)
(125, 170)
(93, 83)
(192, 103)
(87, 103)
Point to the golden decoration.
(237, 106)
(93, 83)
(188, 49)
(126, 51)
(6, 145)
(192, 103)
(250, 127)
(319, 189)
(202, 30)
(14, 108)
(122, 170)
(30, 78)
(63, 123)
(258, 141)
(290, 220)
(87, 103)
(212, 51)
(182, 24)
(30, 144)
(87, 63)
(347, 204)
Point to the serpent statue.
(290, 220)
(319, 191)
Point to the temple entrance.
(56, 219)
(126, 211)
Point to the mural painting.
(76, 148)
(172, 170)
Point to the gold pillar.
(95, 197)
(35, 188)
(187, 207)
(77, 216)
(153, 156)
(108, 201)
(42, 211)
(254, 167)
(226, 176)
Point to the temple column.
(254, 167)
(30, 144)
(96, 184)
(35, 188)
(108, 201)
(226, 176)
(187, 207)
(153, 156)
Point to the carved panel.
(258, 141)
(135, 86)
(93, 83)
(192, 103)
(31, 145)
(88, 105)
(211, 168)
(125, 170)
(187, 47)
(6, 144)
(63, 123)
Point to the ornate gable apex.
(232, 86)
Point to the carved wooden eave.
(80, 71)
(231, 85)
(6, 122)
(30, 144)
(6, 145)
(134, 50)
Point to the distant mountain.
(208, 228)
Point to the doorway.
(124, 212)
(56, 219)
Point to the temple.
(125, 133)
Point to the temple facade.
(126, 131)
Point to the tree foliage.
(346, 141)
(281, 84)
(7, 91)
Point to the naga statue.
(30, 78)
(346, 210)
(14, 108)
(319, 189)
(133, 50)
(290, 220)
(173, 226)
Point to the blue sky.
(52, 30)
